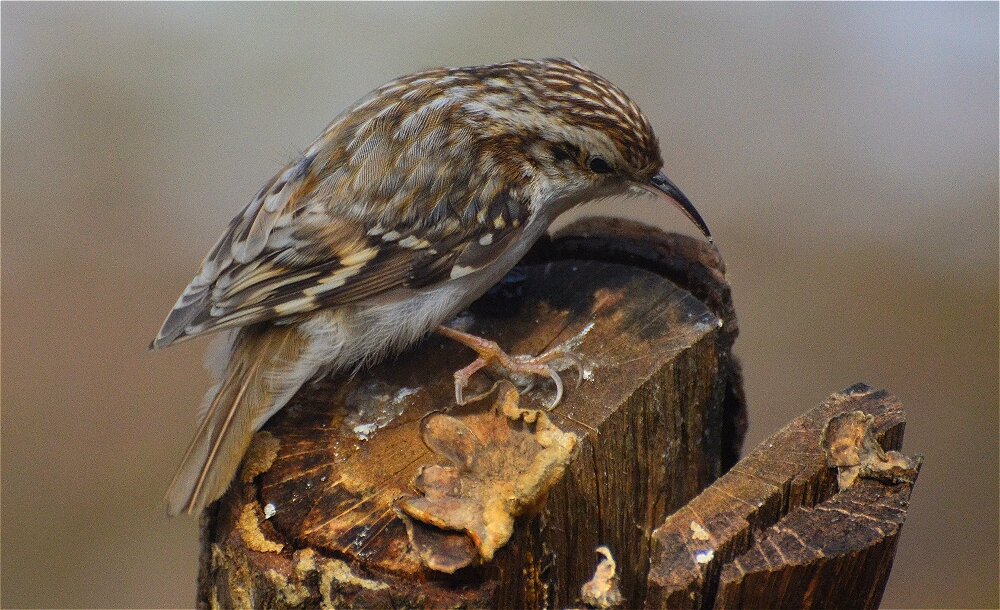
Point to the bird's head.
(571, 132)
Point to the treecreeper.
(408, 207)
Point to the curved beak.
(663, 188)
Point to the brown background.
(844, 155)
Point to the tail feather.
(256, 384)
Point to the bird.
(411, 204)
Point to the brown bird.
(409, 206)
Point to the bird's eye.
(600, 166)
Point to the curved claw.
(460, 392)
(576, 362)
(560, 359)
(556, 379)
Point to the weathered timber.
(692, 264)
(777, 531)
(319, 513)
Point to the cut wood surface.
(690, 263)
(777, 532)
(359, 493)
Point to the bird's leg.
(548, 364)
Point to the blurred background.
(845, 157)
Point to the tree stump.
(377, 490)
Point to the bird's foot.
(521, 369)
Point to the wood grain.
(775, 532)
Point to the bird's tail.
(264, 371)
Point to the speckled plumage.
(409, 205)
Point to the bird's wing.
(290, 252)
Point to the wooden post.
(810, 519)
(376, 490)
(323, 506)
